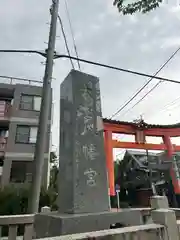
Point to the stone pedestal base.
(56, 224)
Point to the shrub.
(14, 200)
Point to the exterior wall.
(18, 151)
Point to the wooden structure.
(140, 130)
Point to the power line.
(65, 40)
(57, 56)
(160, 110)
(72, 33)
(141, 99)
(24, 51)
(117, 68)
(165, 107)
(133, 97)
(170, 105)
(130, 100)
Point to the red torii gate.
(140, 131)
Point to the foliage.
(54, 178)
(116, 169)
(53, 172)
(14, 200)
(142, 6)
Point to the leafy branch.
(142, 6)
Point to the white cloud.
(156, 21)
(171, 42)
(133, 19)
(95, 28)
(144, 47)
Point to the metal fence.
(14, 80)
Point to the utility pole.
(44, 114)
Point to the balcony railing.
(8, 109)
(3, 142)
(5, 108)
(14, 80)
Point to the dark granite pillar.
(83, 184)
(83, 190)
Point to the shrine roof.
(141, 124)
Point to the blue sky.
(138, 42)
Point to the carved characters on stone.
(91, 177)
(90, 152)
(89, 104)
(98, 98)
(86, 93)
(85, 109)
(88, 125)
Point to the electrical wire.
(172, 105)
(72, 33)
(65, 40)
(141, 99)
(60, 56)
(149, 81)
(165, 107)
(116, 68)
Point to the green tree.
(54, 178)
(142, 6)
(116, 169)
(54, 172)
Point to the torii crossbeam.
(140, 130)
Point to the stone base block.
(56, 224)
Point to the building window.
(26, 134)
(37, 103)
(33, 135)
(21, 172)
(29, 102)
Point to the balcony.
(5, 110)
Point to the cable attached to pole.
(65, 40)
(72, 33)
(117, 68)
(57, 56)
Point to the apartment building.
(20, 101)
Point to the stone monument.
(83, 174)
(83, 202)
